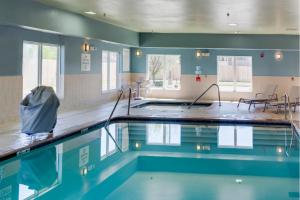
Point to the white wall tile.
(190, 88)
(80, 91)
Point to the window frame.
(107, 141)
(164, 87)
(108, 72)
(234, 85)
(236, 132)
(59, 79)
(165, 130)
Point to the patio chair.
(269, 95)
(294, 99)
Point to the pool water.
(158, 185)
(169, 105)
(160, 161)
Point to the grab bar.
(129, 98)
(205, 93)
(116, 104)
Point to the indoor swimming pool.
(160, 160)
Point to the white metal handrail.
(287, 108)
(112, 112)
(288, 115)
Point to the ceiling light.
(90, 13)
(232, 24)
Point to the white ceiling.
(192, 16)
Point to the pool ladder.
(199, 97)
(112, 112)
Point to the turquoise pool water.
(160, 161)
(168, 105)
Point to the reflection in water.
(163, 134)
(124, 133)
(93, 166)
(9, 180)
(235, 137)
(120, 134)
(39, 173)
(108, 147)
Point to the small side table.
(138, 90)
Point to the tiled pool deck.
(13, 141)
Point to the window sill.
(236, 91)
(165, 89)
(109, 91)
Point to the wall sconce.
(198, 54)
(137, 145)
(138, 52)
(278, 55)
(85, 47)
(201, 53)
(279, 150)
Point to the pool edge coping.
(87, 127)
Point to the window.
(163, 134)
(109, 70)
(108, 147)
(41, 66)
(235, 137)
(235, 73)
(163, 71)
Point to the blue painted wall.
(266, 66)
(32, 14)
(73, 55)
(11, 42)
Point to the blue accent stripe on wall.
(73, 55)
(36, 15)
(197, 40)
(11, 41)
(266, 66)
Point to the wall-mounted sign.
(84, 156)
(85, 62)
